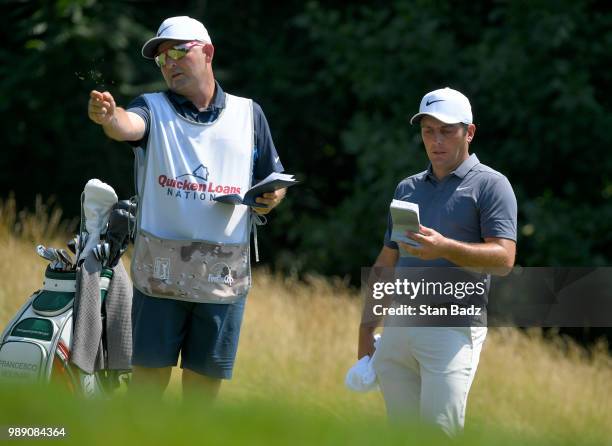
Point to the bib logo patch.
(221, 273)
(161, 269)
(195, 185)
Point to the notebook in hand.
(405, 217)
(272, 182)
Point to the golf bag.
(44, 341)
(36, 345)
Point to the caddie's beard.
(179, 84)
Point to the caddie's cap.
(175, 28)
(445, 104)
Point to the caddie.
(191, 264)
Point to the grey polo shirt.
(471, 203)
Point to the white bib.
(188, 163)
(188, 246)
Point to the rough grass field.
(297, 341)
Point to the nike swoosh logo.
(463, 188)
(428, 103)
(276, 159)
(161, 31)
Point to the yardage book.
(405, 217)
(272, 182)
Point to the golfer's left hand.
(270, 199)
(433, 244)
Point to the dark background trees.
(338, 83)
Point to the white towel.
(86, 347)
(361, 377)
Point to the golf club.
(66, 259)
(42, 251)
(72, 244)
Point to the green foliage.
(536, 74)
(338, 84)
(140, 419)
(59, 51)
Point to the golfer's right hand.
(101, 107)
(366, 342)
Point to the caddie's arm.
(118, 124)
(387, 258)
(270, 199)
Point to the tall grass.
(21, 270)
(299, 338)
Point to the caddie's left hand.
(433, 244)
(270, 199)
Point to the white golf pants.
(427, 372)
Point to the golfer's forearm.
(124, 126)
(485, 256)
(387, 258)
(369, 318)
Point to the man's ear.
(209, 51)
(471, 131)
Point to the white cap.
(176, 28)
(445, 104)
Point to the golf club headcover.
(126, 205)
(118, 234)
(98, 201)
(129, 206)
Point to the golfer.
(468, 213)
(191, 263)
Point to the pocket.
(195, 271)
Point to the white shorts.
(427, 372)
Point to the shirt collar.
(466, 166)
(429, 175)
(217, 103)
(461, 171)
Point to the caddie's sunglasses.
(176, 52)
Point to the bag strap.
(257, 220)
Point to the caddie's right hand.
(101, 107)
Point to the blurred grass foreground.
(297, 341)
